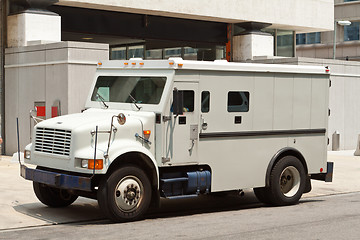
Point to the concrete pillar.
(252, 42)
(33, 24)
(26, 28)
(57, 74)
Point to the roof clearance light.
(99, 64)
(180, 64)
(126, 64)
(142, 64)
(171, 63)
(147, 134)
(133, 63)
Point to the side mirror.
(178, 102)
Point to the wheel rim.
(289, 181)
(129, 193)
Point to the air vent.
(53, 141)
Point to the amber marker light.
(99, 64)
(142, 64)
(98, 164)
(133, 63)
(171, 63)
(126, 64)
(180, 64)
(147, 134)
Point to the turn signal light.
(98, 164)
(147, 134)
(89, 164)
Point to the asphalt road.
(231, 217)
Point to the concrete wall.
(299, 15)
(344, 96)
(46, 73)
(350, 50)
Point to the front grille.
(54, 141)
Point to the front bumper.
(58, 180)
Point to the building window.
(238, 102)
(308, 38)
(284, 43)
(350, 0)
(351, 32)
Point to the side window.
(188, 100)
(205, 101)
(238, 101)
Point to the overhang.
(296, 15)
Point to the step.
(183, 196)
(172, 180)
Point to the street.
(219, 217)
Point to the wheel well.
(136, 159)
(279, 155)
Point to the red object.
(40, 111)
(228, 44)
(321, 169)
(54, 112)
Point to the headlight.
(89, 164)
(27, 154)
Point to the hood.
(91, 117)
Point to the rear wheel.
(125, 195)
(52, 196)
(287, 181)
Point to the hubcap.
(289, 181)
(128, 193)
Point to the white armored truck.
(176, 129)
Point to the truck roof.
(217, 65)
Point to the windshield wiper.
(134, 101)
(102, 100)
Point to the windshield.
(124, 89)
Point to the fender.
(133, 147)
(283, 152)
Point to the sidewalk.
(19, 207)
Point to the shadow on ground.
(84, 210)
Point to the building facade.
(321, 44)
(50, 48)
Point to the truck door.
(182, 131)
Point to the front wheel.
(287, 181)
(125, 195)
(52, 196)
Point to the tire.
(262, 194)
(52, 196)
(287, 181)
(125, 195)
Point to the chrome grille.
(54, 141)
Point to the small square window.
(238, 101)
(188, 100)
(205, 101)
